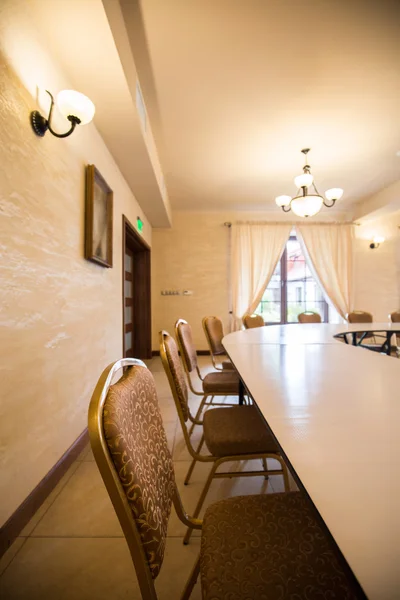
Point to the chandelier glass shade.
(305, 204)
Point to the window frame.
(283, 295)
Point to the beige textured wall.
(194, 255)
(61, 316)
(378, 270)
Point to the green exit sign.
(139, 224)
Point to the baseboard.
(199, 353)
(15, 524)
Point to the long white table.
(335, 411)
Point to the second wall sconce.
(376, 241)
(74, 106)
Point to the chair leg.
(265, 467)
(189, 473)
(285, 474)
(199, 410)
(201, 501)
(191, 582)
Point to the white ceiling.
(235, 88)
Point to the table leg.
(241, 392)
(388, 336)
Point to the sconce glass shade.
(303, 180)
(307, 206)
(283, 200)
(378, 239)
(334, 194)
(71, 103)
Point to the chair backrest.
(130, 448)
(250, 321)
(214, 333)
(176, 377)
(309, 317)
(183, 333)
(395, 316)
(360, 316)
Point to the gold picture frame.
(98, 219)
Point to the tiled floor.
(74, 549)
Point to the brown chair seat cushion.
(226, 364)
(221, 382)
(268, 547)
(236, 430)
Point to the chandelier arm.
(329, 205)
(315, 188)
(287, 208)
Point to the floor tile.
(88, 568)
(15, 547)
(178, 563)
(67, 568)
(39, 514)
(82, 509)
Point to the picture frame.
(98, 219)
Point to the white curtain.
(256, 249)
(330, 250)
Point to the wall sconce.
(376, 241)
(74, 106)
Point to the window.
(292, 289)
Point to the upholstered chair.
(230, 434)
(250, 321)
(214, 332)
(361, 316)
(309, 317)
(213, 385)
(130, 448)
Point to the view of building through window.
(292, 289)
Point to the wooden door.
(128, 303)
(136, 294)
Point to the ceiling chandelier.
(304, 204)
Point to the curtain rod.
(229, 224)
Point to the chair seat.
(236, 430)
(221, 382)
(226, 364)
(267, 547)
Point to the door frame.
(141, 335)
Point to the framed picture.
(98, 218)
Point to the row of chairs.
(251, 546)
(357, 316)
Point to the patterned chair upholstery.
(214, 333)
(251, 321)
(269, 547)
(309, 317)
(138, 447)
(222, 383)
(130, 448)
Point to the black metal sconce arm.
(40, 125)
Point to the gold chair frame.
(216, 365)
(204, 402)
(214, 460)
(116, 492)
